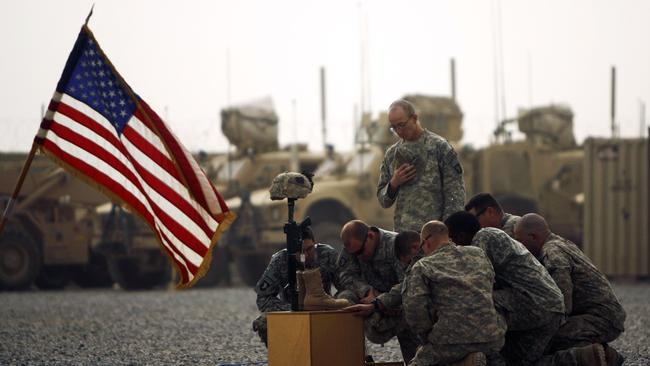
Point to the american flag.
(101, 131)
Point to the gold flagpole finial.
(89, 14)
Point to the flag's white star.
(123, 113)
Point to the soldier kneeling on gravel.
(321, 272)
(594, 314)
(447, 300)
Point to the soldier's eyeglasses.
(357, 253)
(400, 125)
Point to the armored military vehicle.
(344, 188)
(47, 239)
(542, 173)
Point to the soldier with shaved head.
(369, 270)
(594, 314)
(447, 300)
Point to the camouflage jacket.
(518, 270)
(393, 298)
(448, 297)
(382, 272)
(508, 223)
(436, 192)
(585, 288)
(270, 288)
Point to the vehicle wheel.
(20, 258)
(251, 266)
(328, 232)
(53, 277)
(134, 273)
(94, 274)
(219, 271)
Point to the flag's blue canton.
(93, 82)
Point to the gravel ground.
(211, 327)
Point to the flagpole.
(19, 185)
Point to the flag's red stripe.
(222, 203)
(117, 189)
(93, 148)
(177, 151)
(98, 128)
(91, 124)
(155, 183)
(173, 197)
(96, 175)
(180, 232)
(190, 266)
(151, 151)
(180, 267)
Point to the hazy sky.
(173, 53)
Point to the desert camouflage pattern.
(508, 222)
(382, 272)
(436, 192)
(594, 314)
(392, 299)
(447, 300)
(524, 290)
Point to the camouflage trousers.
(530, 331)
(380, 328)
(441, 354)
(582, 330)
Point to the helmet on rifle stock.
(290, 185)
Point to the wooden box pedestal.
(315, 338)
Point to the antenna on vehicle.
(453, 79)
(613, 103)
(323, 107)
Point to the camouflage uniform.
(382, 273)
(594, 313)
(437, 190)
(448, 304)
(508, 222)
(275, 279)
(525, 294)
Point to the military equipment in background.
(135, 260)
(542, 173)
(47, 239)
(345, 189)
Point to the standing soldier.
(490, 214)
(420, 173)
(369, 269)
(271, 288)
(448, 302)
(594, 314)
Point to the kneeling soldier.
(447, 299)
(314, 283)
(594, 314)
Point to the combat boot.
(612, 356)
(315, 296)
(473, 359)
(301, 290)
(591, 355)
